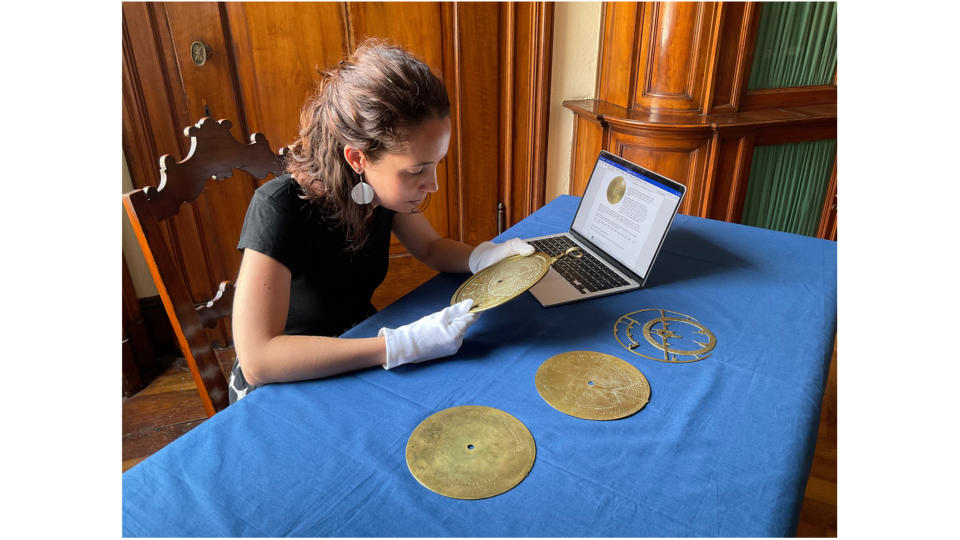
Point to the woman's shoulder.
(279, 188)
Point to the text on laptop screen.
(625, 213)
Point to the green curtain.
(796, 45)
(787, 185)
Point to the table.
(723, 448)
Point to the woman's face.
(401, 180)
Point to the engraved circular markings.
(616, 189)
(592, 385)
(470, 452)
(503, 281)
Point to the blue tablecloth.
(723, 448)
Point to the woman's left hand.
(488, 253)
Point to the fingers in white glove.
(488, 253)
(436, 335)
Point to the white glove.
(488, 253)
(434, 336)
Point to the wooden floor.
(170, 406)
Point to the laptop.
(623, 218)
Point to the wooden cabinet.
(671, 96)
(254, 63)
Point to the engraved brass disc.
(507, 279)
(616, 189)
(470, 452)
(592, 385)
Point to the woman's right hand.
(434, 336)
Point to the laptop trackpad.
(554, 289)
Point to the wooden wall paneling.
(828, 214)
(279, 54)
(674, 55)
(736, 196)
(509, 115)
(451, 165)
(415, 26)
(734, 55)
(728, 179)
(680, 155)
(616, 73)
(479, 56)
(588, 136)
(802, 130)
(788, 97)
(527, 60)
(709, 176)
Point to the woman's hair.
(369, 101)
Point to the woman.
(315, 240)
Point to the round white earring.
(362, 193)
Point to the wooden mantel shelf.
(606, 113)
(709, 153)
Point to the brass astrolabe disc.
(470, 452)
(592, 385)
(507, 279)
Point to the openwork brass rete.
(670, 336)
(507, 279)
(470, 452)
(592, 385)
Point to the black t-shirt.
(330, 288)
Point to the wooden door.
(261, 62)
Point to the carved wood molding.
(828, 214)
(675, 52)
(527, 30)
(710, 154)
(217, 158)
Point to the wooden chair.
(214, 154)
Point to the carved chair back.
(214, 154)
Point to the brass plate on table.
(671, 336)
(507, 279)
(470, 452)
(592, 385)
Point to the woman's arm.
(423, 242)
(266, 355)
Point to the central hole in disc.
(469, 447)
(590, 383)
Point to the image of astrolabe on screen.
(664, 335)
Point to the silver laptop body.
(620, 224)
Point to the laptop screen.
(626, 213)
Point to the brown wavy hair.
(369, 101)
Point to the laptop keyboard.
(586, 273)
